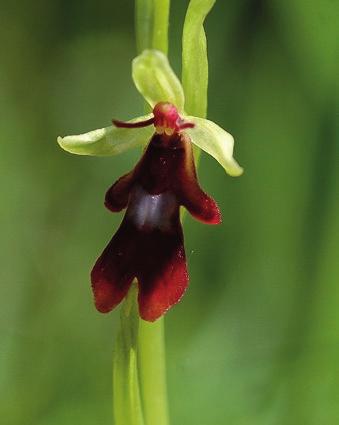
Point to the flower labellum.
(149, 243)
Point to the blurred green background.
(255, 341)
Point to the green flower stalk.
(151, 24)
(148, 245)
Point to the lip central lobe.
(147, 211)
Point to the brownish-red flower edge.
(149, 244)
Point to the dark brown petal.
(149, 243)
(116, 198)
(199, 204)
(162, 275)
(191, 196)
(114, 270)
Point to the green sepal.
(107, 141)
(212, 139)
(155, 79)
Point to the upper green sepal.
(211, 138)
(155, 79)
(107, 141)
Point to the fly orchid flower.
(149, 244)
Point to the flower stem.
(127, 405)
(160, 25)
(143, 24)
(139, 365)
(152, 371)
(151, 24)
(151, 336)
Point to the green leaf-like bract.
(194, 57)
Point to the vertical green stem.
(152, 371)
(151, 24)
(143, 24)
(139, 365)
(160, 26)
(127, 404)
(151, 336)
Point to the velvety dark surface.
(149, 243)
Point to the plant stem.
(151, 336)
(139, 365)
(151, 24)
(152, 371)
(160, 25)
(143, 24)
(127, 405)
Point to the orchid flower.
(149, 243)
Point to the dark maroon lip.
(149, 244)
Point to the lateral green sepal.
(107, 141)
(212, 139)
